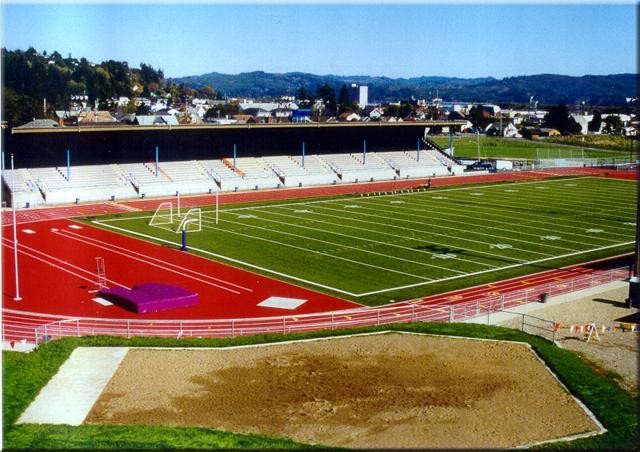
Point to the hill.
(548, 89)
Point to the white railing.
(410, 311)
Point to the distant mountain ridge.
(593, 90)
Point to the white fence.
(37, 328)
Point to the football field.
(373, 249)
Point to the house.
(39, 124)
(257, 112)
(66, 117)
(95, 117)
(301, 115)
(374, 112)
(244, 119)
(156, 120)
(348, 117)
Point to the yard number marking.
(550, 237)
(444, 256)
(500, 246)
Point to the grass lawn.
(25, 375)
(380, 248)
(494, 147)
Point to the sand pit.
(375, 391)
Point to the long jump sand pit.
(371, 391)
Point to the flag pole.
(15, 235)
(216, 207)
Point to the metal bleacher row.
(53, 185)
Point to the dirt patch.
(391, 390)
(616, 351)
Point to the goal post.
(191, 221)
(163, 216)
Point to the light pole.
(15, 236)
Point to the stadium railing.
(38, 330)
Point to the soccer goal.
(163, 216)
(191, 221)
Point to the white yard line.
(319, 252)
(342, 246)
(484, 208)
(467, 232)
(373, 231)
(406, 211)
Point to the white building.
(359, 94)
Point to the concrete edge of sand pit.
(69, 396)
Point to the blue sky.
(450, 39)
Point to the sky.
(377, 39)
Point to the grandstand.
(356, 167)
(414, 164)
(52, 185)
(294, 173)
(25, 192)
(83, 183)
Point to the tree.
(344, 100)
(328, 96)
(476, 116)
(559, 118)
(596, 122)
(221, 111)
(612, 124)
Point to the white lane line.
(52, 259)
(148, 262)
(112, 246)
(69, 396)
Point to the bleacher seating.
(258, 173)
(358, 168)
(84, 183)
(414, 164)
(143, 176)
(189, 177)
(290, 169)
(26, 192)
(37, 186)
(223, 174)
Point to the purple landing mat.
(150, 297)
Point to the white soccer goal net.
(163, 216)
(191, 221)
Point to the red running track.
(58, 267)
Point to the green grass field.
(494, 147)
(393, 247)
